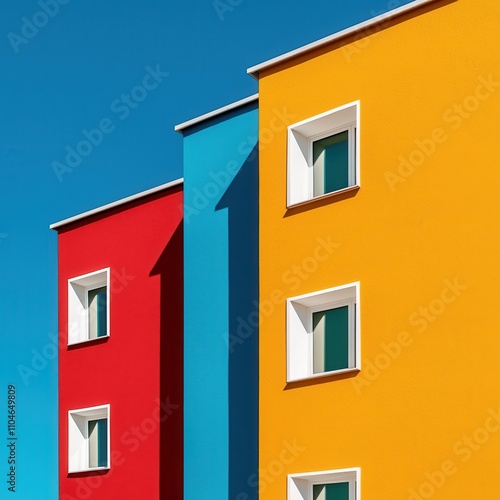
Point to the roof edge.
(254, 70)
(117, 203)
(182, 126)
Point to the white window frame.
(300, 486)
(301, 137)
(78, 321)
(299, 329)
(78, 439)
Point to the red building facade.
(121, 374)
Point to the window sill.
(324, 374)
(334, 194)
(91, 469)
(72, 344)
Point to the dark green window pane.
(335, 491)
(331, 162)
(102, 323)
(98, 442)
(331, 339)
(98, 322)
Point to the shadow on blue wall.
(241, 200)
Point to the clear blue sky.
(67, 75)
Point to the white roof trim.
(134, 197)
(254, 70)
(224, 109)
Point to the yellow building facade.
(379, 274)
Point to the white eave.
(212, 114)
(364, 26)
(109, 206)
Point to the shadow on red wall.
(170, 269)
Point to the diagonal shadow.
(241, 200)
(170, 269)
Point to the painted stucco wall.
(419, 235)
(138, 369)
(221, 290)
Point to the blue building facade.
(221, 303)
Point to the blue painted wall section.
(221, 306)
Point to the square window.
(88, 439)
(323, 154)
(342, 484)
(88, 307)
(323, 333)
